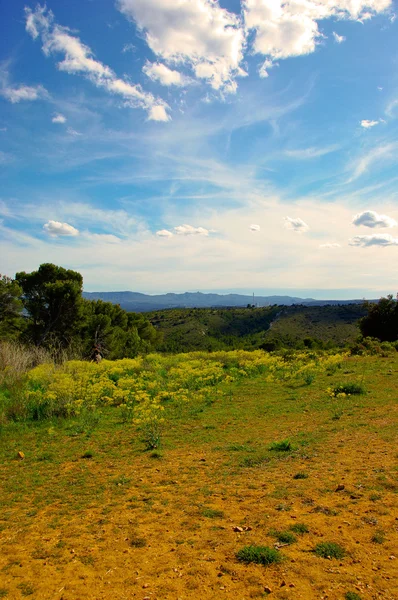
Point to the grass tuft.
(329, 550)
(299, 528)
(282, 446)
(262, 555)
(300, 475)
(352, 596)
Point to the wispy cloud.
(339, 39)
(385, 152)
(308, 153)
(79, 60)
(21, 92)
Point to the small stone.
(238, 529)
(291, 585)
(267, 590)
(202, 460)
(283, 583)
(392, 557)
(146, 585)
(339, 488)
(20, 455)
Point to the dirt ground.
(165, 527)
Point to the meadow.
(202, 475)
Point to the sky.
(184, 145)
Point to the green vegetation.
(262, 555)
(352, 596)
(329, 550)
(348, 389)
(282, 446)
(270, 328)
(299, 528)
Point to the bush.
(329, 550)
(262, 555)
(347, 389)
(282, 446)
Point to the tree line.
(46, 308)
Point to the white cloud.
(128, 48)
(79, 59)
(368, 124)
(58, 119)
(330, 245)
(370, 218)
(377, 239)
(285, 29)
(22, 93)
(57, 229)
(165, 76)
(198, 33)
(73, 132)
(190, 230)
(339, 39)
(254, 227)
(297, 224)
(164, 233)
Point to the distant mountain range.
(136, 302)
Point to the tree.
(52, 300)
(382, 320)
(11, 322)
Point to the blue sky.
(175, 145)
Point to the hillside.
(248, 328)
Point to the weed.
(329, 550)
(88, 454)
(211, 513)
(3, 592)
(352, 596)
(254, 461)
(347, 389)
(138, 542)
(300, 475)
(378, 537)
(374, 497)
(156, 454)
(122, 480)
(283, 507)
(282, 446)
(299, 528)
(262, 555)
(26, 589)
(284, 537)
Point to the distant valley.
(136, 302)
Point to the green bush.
(262, 555)
(329, 550)
(282, 446)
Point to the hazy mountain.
(136, 302)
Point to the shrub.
(299, 528)
(329, 550)
(300, 475)
(282, 446)
(262, 555)
(347, 389)
(352, 596)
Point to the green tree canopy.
(382, 320)
(11, 322)
(52, 300)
